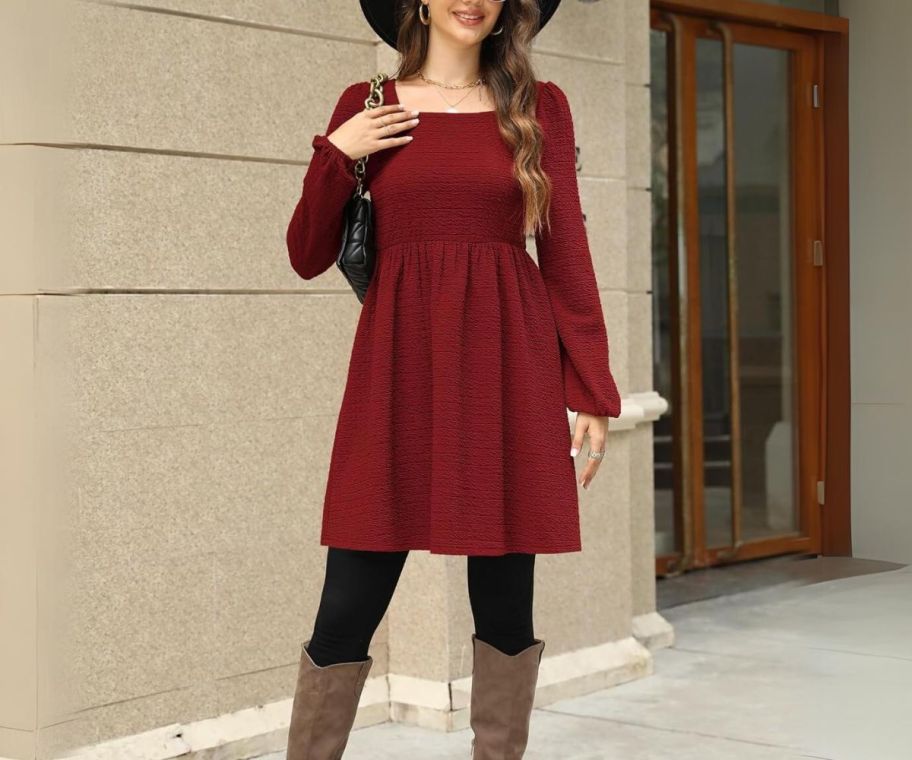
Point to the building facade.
(170, 387)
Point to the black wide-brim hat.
(381, 15)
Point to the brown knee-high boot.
(503, 693)
(324, 707)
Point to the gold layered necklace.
(451, 107)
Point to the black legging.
(358, 587)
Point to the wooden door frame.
(832, 33)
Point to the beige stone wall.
(170, 385)
(881, 268)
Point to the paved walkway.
(792, 671)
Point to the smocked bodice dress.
(453, 435)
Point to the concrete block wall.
(173, 385)
(880, 161)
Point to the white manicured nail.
(574, 451)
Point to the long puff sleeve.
(314, 233)
(566, 266)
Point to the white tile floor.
(792, 671)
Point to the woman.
(452, 434)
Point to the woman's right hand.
(374, 129)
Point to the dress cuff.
(603, 402)
(596, 410)
(333, 153)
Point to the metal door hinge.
(818, 253)
(815, 95)
(820, 493)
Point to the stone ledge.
(438, 705)
(653, 631)
(249, 732)
(444, 706)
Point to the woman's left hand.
(597, 429)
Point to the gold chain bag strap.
(357, 256)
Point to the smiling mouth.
(470, 17)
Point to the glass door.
(736, 290)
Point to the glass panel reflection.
(764, 271)
(714, 295)
(745, 296)
(663, 450)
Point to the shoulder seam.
(355, 94)
(555, 100)
(354, 86)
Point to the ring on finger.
(596, 454)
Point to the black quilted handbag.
(357, 256)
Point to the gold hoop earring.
(424, 19)
(498, 31)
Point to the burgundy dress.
(453, 434)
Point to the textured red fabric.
(452, 435)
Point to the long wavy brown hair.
(507, 69)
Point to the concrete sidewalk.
(791, 671)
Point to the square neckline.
(391, 97)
